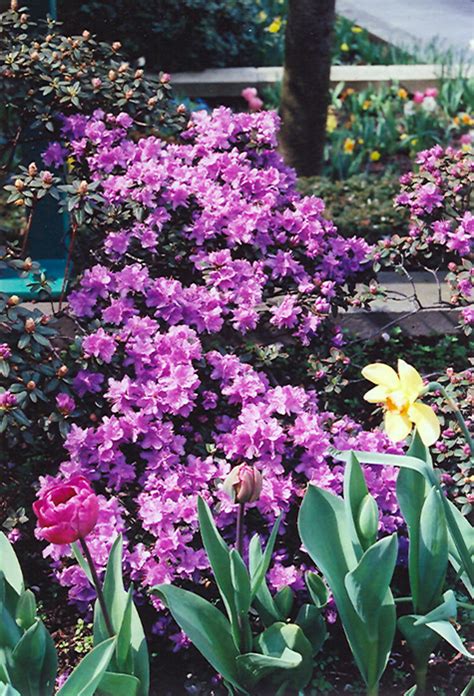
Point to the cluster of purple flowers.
(214, 242)
(441, 222)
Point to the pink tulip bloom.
(250, 95)
(243, 484)
(418, 97)
(431, 92)
(66, 511)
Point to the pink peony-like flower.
(66, 511)
(243, 484)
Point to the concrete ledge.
(429, 322)
(229, 82)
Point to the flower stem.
(97, 585)
(239, 534)
(436, 386)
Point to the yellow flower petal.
(376, 395)
(410, 380)
(426, 422)
(378, 373)
(397, 426)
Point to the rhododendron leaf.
(261, 569)
(368, 584)
(34, 662)
(433, 552)
(114, 684)
(10, 566)
(206, 627)
(87, 676)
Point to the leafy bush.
(360, 205)
(189, 35)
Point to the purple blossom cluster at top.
(214, 242)
(441, 221)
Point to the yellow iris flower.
(399, 395)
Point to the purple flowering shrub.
(441, 224)
(201, 247)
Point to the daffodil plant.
(358, 568)
(281, 655)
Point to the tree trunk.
(305, 89)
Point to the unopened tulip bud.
(368, 519)
(32, 169)
(243, 484)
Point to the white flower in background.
(409, 108)
(429, 104)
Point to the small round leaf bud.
(243, 484)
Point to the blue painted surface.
(11, 284)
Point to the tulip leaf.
(433, 552)
(34, 662)
(284, 600)
(240, 582)
(420, 639)
(317, 589)
(446, 630)
(116, 684)
(263, 600)
(10, 566)
(206, 627)
(255, 667)
(465, 692)
(368, 584)
(8, 690)
(445, 611)
(26, 610)
(116, 600)
(219, 557)
(411, 691)
(355, 490)
(312, 624)
(460, 551)
(276, 640)
(87, 676)
(82, 561)
(262, 568)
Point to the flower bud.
(112, 75)
(47, 178)
(165, 78)
(96, 82)
(82, 188)
(181, 109)
(243, 484)
(27, 265)
(32, 169)
(86, 35)
(123, 67)
(152, 101)
(30, 325)
(34, 55)
(31, 385)
(23, 18)
(129, 94)
(138, 74)
(19, 184)
(61, 371)
(368, 522)
(116, 46)
(14, 5)
(13, 300)
(19, 202)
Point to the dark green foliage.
(171, 35)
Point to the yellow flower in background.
(399, 393)
(403, 136)
(414, 141)
(402, 93)
(456, 120)
(366, 105)
(349, 145)
(275, 26)
(467, 120)
(262, 16)
(356, 30)
(375, 156)
(344, 47)
(70, 163)
(360, 141)
(331, 122)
